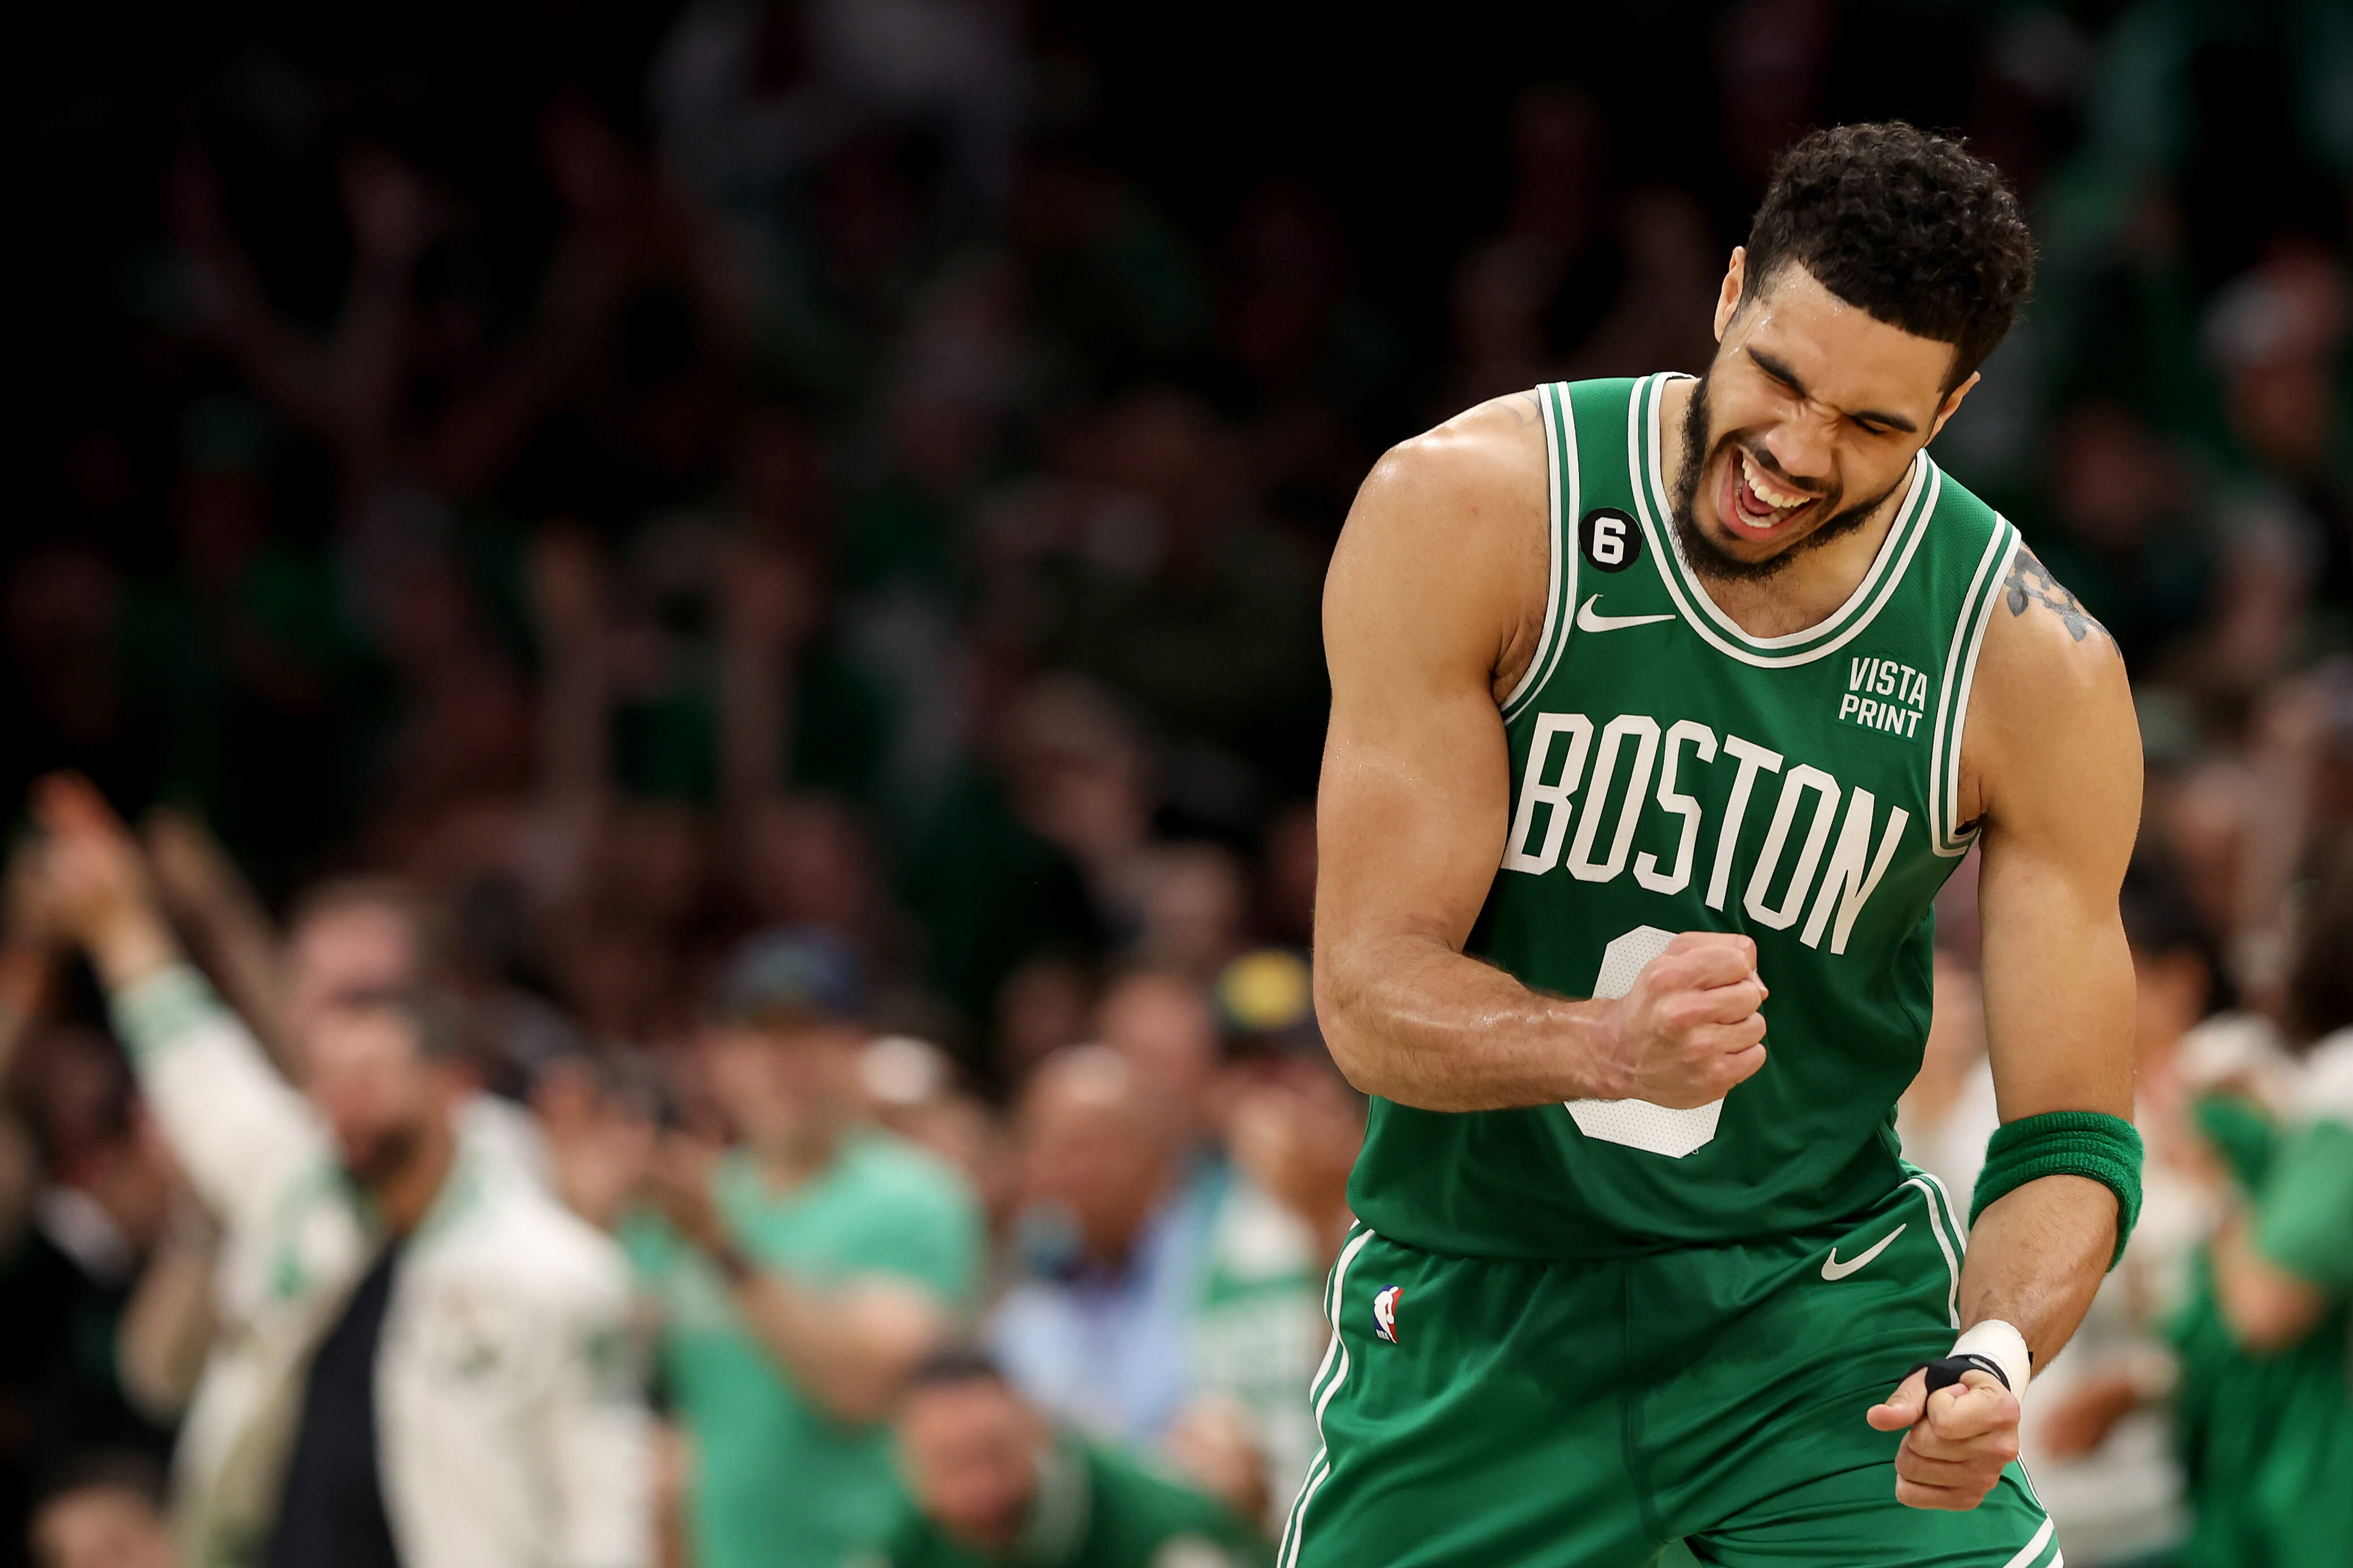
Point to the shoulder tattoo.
(2030, 582)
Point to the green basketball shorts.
(1484, 1413)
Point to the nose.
(1801, 445)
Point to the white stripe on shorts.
(1952, 1257)
(1319, 1469)
(2034, 1549)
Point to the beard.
(1711, 560)
(383, 1156)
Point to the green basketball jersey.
(1672, 772)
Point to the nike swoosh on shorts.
(1833, 1269)
(1587, 621)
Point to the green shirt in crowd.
(2268, 1439)
(777, 1482)
(1095, 1509)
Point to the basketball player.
(1661, 711)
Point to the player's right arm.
(1431, 609)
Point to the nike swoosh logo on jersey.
(1587, 621)
(1833, 1269)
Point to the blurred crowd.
(705, 618)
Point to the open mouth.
(1753, 504)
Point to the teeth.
(1764, 489)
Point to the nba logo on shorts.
(1385, 1305)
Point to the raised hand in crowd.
(99, 890)
(602, 1148)
(209, 899)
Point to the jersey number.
(1638, 1123)
(1608, 540)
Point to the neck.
(1111, 1247)
(1808, 591)
(1110, 1253)
(998, 1537)
(793, 1158)
(403, 1197)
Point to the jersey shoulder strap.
(1969, 548)
(1585, 424)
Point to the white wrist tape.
(2002, 1345)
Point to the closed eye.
(1874, 422)
(1778, 373)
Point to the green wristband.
(2089, 1144)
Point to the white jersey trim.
(1889, 548)
(1560, 452)
(1650, 500)
(1960, 674)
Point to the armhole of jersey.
(1960, 673)
(1560, 472)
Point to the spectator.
(2099, 1436)
(1160, 1024)
(914, 1091)
(801, 1275)
(1194, 898)
(1095, 1335)
(350, 941)
(423, 1358)
(1211, 626)
(993, 1480)
(2266, 1406)
(2129, 543)
(71, 1274)
(1292, 1124)
(1148, 1294)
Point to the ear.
(1727, 299)
(1951, 405)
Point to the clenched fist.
(1959, 1438)
(1690, 1028)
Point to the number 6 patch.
(1609, 539)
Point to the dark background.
(653, 475)
(1290, 235)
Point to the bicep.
(1410, 817)
(1411, 812)
(2063, 810)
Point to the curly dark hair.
(1904, 225)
